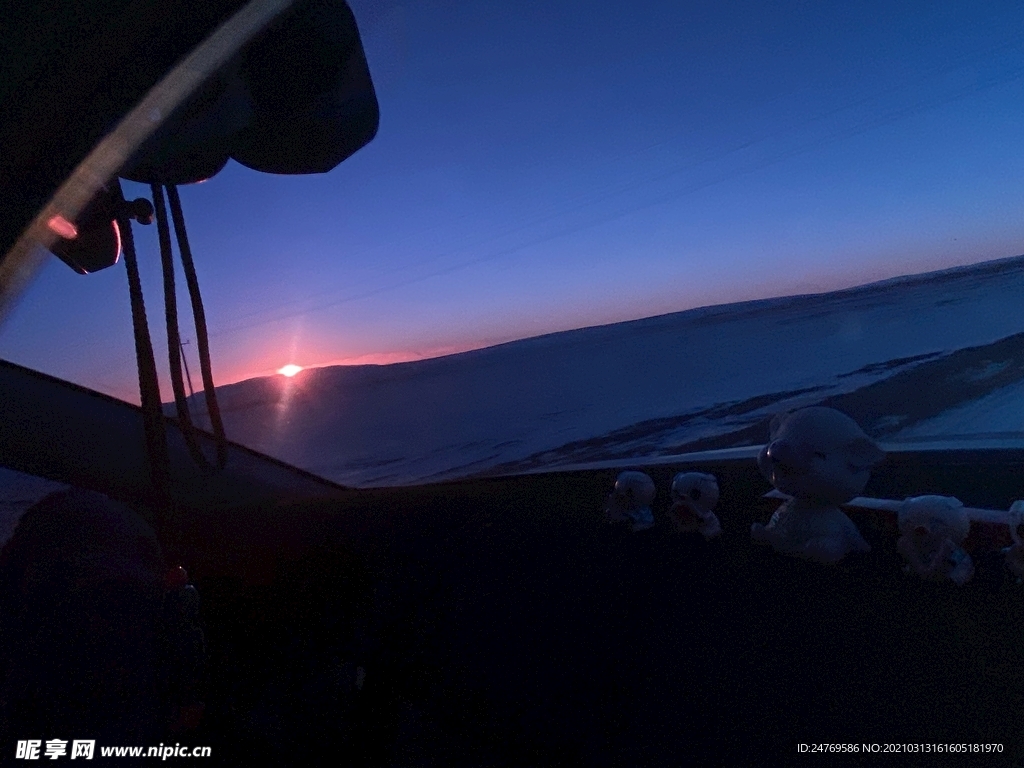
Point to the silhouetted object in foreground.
(821, 458)
(96, 644)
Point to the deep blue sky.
(545, 166)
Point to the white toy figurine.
(822, 459)
(694, 496)
(932, 529)
(1015, 552)
(630, 501)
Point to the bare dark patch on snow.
(890, 365)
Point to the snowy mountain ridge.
(911, 358)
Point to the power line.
(585, 201)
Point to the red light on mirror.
(93, 240)
(62, 227)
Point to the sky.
(547, 166)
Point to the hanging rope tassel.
(173, 333)
(199, 315)
(149, 385)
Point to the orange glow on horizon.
(388, 358)
(252, 369)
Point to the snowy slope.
(997, 415)
(703, 378)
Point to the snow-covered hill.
(910, 358)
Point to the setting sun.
(289, 370)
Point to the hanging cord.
(199, 315)
(173, 334)
(149, 385)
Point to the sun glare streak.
(289, 370)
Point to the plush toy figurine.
(932, 529)
(630, 501)
(1015, 552)
(694, 496)
(821, 458)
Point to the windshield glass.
(572, 239)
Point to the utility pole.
(191, 392)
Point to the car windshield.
(600, 234)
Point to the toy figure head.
(696, 490)
(818, 454)
(633, 491)
(631, 499)
(929, 520)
